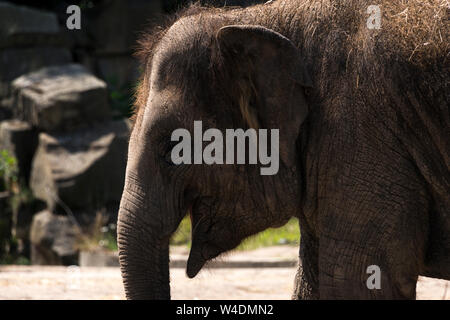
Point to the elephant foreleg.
(373, 247)
(306, 286)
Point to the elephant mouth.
(202, 250)
(196, 259)
(194, 265)
(199, 256)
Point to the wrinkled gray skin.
(358, 192)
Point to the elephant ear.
(264, 63)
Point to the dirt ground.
(47, 282)
(17, 282)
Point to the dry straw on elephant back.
(332, 33)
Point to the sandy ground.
(47, 282)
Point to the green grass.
(17, 260)
(289, 234)
(101, 236)
(183, 234)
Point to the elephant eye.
(167, 157)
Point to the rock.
(98, 259)
(87, 59)
(23, 26)
(53, 240)
(60, 98)
(83, 169)
(15, 62)
(20, 139)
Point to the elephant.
(363, 116)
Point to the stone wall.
(57, 120)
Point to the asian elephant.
(362, 110)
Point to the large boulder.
(24, 26)
(60, 98)
(15, 62)
(20, 140)
(53, 240)
(82, 169)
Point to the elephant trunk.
(143, 246)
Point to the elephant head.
(227, 76)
